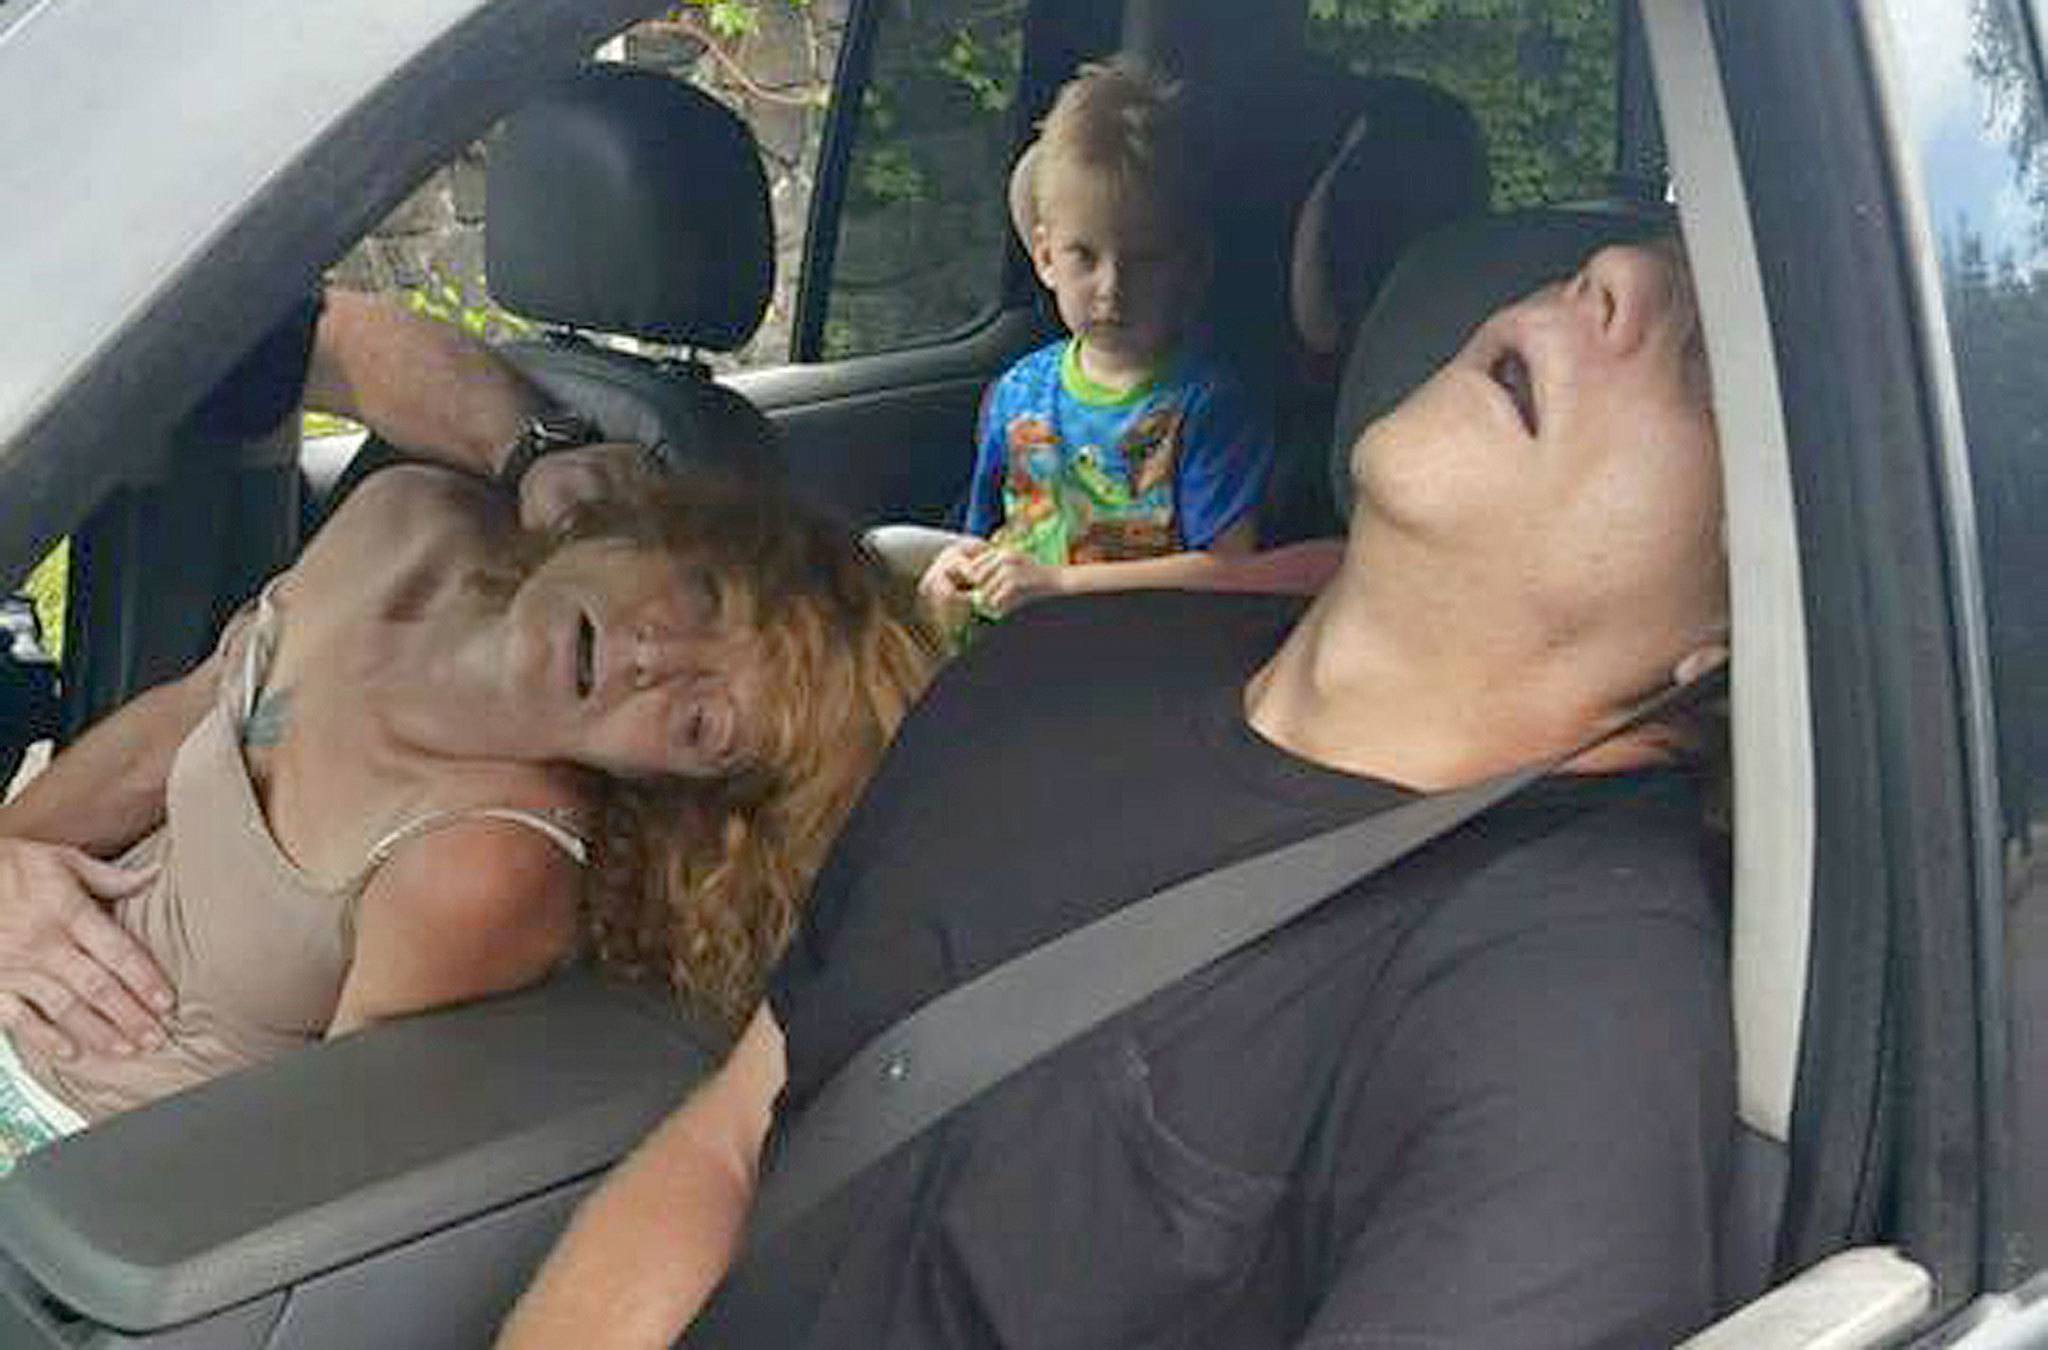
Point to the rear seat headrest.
(1412, 160)
(626, 201)
(1447, 285)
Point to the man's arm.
(426, 387)
(644, 1253)
(435, 392)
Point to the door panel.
(891, 437)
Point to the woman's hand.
(559, 482)
(69, 974)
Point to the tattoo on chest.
(266, 721)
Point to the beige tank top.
(255, 947)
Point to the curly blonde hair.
(699, 882)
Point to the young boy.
(1122, 456)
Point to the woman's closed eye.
(705, 730)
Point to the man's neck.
(1394, 673)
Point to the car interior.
(284, 1207)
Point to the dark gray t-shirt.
(1481, 1100)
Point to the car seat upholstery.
(1440, 291)
(626, 202)
(1411, 161)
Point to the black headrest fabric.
(1412, 160)
(1447, 285)
(626, 201)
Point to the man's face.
(1124, 280)
(1568, 452)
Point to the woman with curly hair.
(444, 754)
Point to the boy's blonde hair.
(1123, 123)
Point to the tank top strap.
(259, 642)
(558, 825)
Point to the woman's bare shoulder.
(481, 904)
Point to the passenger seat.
(625, 202)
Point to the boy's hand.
(945, 589)
(1003, 581)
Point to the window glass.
(922, 232)
(1975, 117)
(1539, 78)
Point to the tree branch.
(692, 27)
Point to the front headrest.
(1449, 284)
(1411, 161)
(625, 201)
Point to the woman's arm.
(106, 790)
(645, 1251)
(473, 908)
(69, 974)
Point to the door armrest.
(263, 1178)
(1853, 1299)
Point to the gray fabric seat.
(1411, 161)
(627, 204)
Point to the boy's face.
(1125, 278)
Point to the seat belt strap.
(965, 1041)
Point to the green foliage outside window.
(921, 242)
(1539, 77)
(46, 586)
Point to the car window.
(1970, 88)
(1539, 78)
(923, 226)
